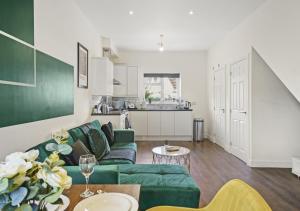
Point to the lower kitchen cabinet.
(183, 123)
(167, 123)
(154, 126)
(139, 122)
(162, 125)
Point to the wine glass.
(86, 165)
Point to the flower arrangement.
(61, 146)
(28, 185)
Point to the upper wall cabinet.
(125, 80)
(102, 76)
(16, 19)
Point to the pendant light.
(161, 45)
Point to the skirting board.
(270, 164)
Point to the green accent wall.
(17, 19)
(16, 61)
(52, 97)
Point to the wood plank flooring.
(211, 167)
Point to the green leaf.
(17, 181)
(33, 191)
(24, 207)
(3, 185)
(8, 207)
(18, 196)
(51, 147)
(59, 163)
(4, 200)
(64, 149)
(54, 197)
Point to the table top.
(161, 150)
(74, 192)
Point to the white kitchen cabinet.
(128, 78)
(120, 74)
(132, 81)
(183, 123)
(139, 122)
(102, 76)
(154, 125)
(167, 123)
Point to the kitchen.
(155, 90)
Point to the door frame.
(248, 116)
(224, 144)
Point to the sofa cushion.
(162, 185)
(96, 124)
(107, 130)
(78, 149)
(124, 145)
(98, 143)
(121, 154)
(115, 162)
(77, 134)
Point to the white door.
(139, 122)
(183, 123)
(167, 123)
(132, 84)
(153, 123)
(219, 106)
(239, 108)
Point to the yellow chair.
(235, 195)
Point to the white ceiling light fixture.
(130, 12)
(161, 45)
(191, 12)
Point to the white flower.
(56, 177)
(28, 156)
(14, 166)
(31, 155)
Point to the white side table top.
(161, 150)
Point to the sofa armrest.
(124, 135)
(108, 174)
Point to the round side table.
(179, 157)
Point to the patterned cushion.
(98, 143)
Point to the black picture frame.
(82, 66)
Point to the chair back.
(237, 195)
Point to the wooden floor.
(211, 167)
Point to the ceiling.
(211, 20)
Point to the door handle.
(243, 112)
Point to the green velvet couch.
(160, 184)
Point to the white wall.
(275, 118)
(59, 25)
(192, 66)
(274, 31)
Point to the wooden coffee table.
(74, 192)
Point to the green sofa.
(160, 184)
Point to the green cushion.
(96, 124)
(98, 143)
(124, 146)
(162, 185)
(77, 133)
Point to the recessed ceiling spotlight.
(191, 12)
(130, 12)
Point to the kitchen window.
(162, 88)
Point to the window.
(162, 87)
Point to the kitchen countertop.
(111, 113)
